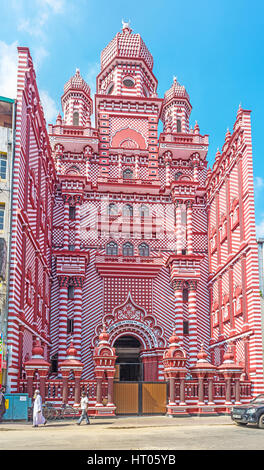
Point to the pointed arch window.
(76, 118)
(178, 125)
(127, 210)
(110, 89)
(112, 209)
(143, 249)
(112, 249)
(128, 249)
(144, 211)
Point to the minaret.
(176, 109)
(76, 102)
(126, 105)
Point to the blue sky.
(215, 48)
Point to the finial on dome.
(228, 135)
(239, 111)
(196, 128)
(218, 154)
(202, 355)
(37, 349)
(175, 81)
(126, 26)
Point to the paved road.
(133, 433)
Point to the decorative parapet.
(71, 265)
(128, 266)
(184, 269)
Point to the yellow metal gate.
(154, 398)
(140, 397)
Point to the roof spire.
(126, 26)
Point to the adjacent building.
(7, 133)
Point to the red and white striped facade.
(143, 234)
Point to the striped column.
(178, 289)
(189, 228)
(195, 172)
(167, 159)
(136, 166)
(183, 121)
(77, 226)
(63, 314)
(192, 324)
(87, 167)
(178, 229)
(78, 320)
(66, 226)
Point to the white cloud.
(90, 77)
(34, 25)
(39, 54)
(49, 106)
(260, 229)
(8, 69)
(259, 182)
(55, 5)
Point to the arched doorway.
(128, 363)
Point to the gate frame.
(140, 396)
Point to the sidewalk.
(130, 422)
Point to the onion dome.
(202, 362)
(71, 361)
(176, 90)
(228, 135)
(59, 120)
(174, 339)
(104, 336)
(202, 355)
(37, 350)
(217, 155)
(77, 83)
(126, 44)
(37, 358)
(229, 363)
(71, 352)
(196, 128)
(239, 111)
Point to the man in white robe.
(38, 417)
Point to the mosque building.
(134, 266)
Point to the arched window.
(143, 249)
(127, 211)
(76, 118)
(178, 175)
(112, 249)
(73, 170)
(110, 89)
(178, 125)
(112, 209)
(128, 249)
(128, 174)
(144, 211)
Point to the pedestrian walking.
(84, 408)
(38, 417)
(2, 403)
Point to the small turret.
(76, 102)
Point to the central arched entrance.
(128, 364)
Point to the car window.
(259, 400)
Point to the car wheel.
(261, 422)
